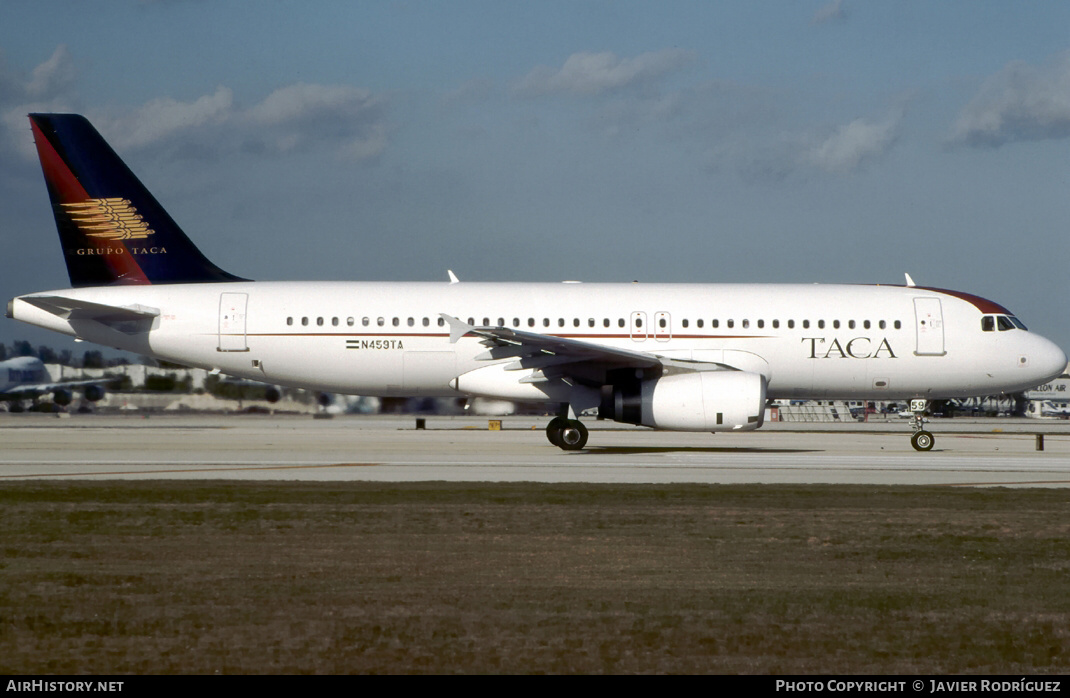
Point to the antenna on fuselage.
(910, 281)
(453, 277)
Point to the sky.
(795, 141)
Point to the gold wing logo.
(110, 219)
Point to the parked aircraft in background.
(694, 357)
(26, 377)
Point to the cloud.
(599, 73)
(831, 12)
(301, 115)
(850, 145)
(165, 118)
(295, 115)
(54, 76)
(1019, 103)
(757, 158)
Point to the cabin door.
(929, 321)
(232, 321)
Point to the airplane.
(690, 357)
(26, 377)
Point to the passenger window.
(289, 321)
(334, 322)
(731, 323)
(365, 321)
(806, 324)
(590, 322)
(761, 324)
(682, 322)
(835, 324)
(715, 323)
(560, 322)
(605, 322)
(776, 324)
(898, 324)
(575, 322)
(350, 321)
(427, 322)
(546, 322)
(397, 321)
(441, 322)
(380, 321)
(304, 321)
(821, 324)
(746, 323)
(531, 322)
(661, 323)
(883, 324)
(698, 323)
(412, 322)
(791, 324)
(486, 322)
(620, 322)
(851, 324)
(866, 324)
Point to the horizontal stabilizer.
(127, 318)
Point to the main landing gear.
(567, 434)
(921, 440)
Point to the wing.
(29, 390)
(550, 358)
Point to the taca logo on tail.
(113, 231)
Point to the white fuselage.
(387, 339)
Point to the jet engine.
(61, 397)
(699, 401)
(94, 393)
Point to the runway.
(390, 449)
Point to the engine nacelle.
(700, 401)
(93, 393)
(61, 397)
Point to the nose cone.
(1047, 360)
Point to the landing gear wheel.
(553, 431)
(922, 441)
(573, 436)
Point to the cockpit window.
(989, 323)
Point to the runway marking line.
(193, 470)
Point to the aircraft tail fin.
(112, 230)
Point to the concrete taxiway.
(381, 448)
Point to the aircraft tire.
(922, 441)
(573, 436)
(553, 431)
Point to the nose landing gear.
(921, 440)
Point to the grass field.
(224, 577)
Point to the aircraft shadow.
(625, 450)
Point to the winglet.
(910, 281)
(453, 277)
(458, 328)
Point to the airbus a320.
(692, 357)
